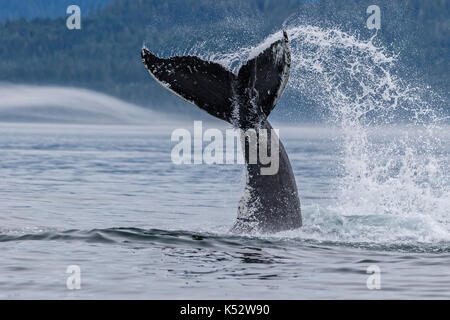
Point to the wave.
(51, 104)
(217, 241)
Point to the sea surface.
(109, 200)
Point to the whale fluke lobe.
(268, 73)
(205, 84)
(270, 202)
(255, 90)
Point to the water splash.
(393, 184)
(395, 176)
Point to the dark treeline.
(104, 54)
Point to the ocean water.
(373, 181)
(109, 200)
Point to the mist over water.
(47, 104)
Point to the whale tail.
(241, 99)
(244, 99)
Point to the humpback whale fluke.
(270, 202)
